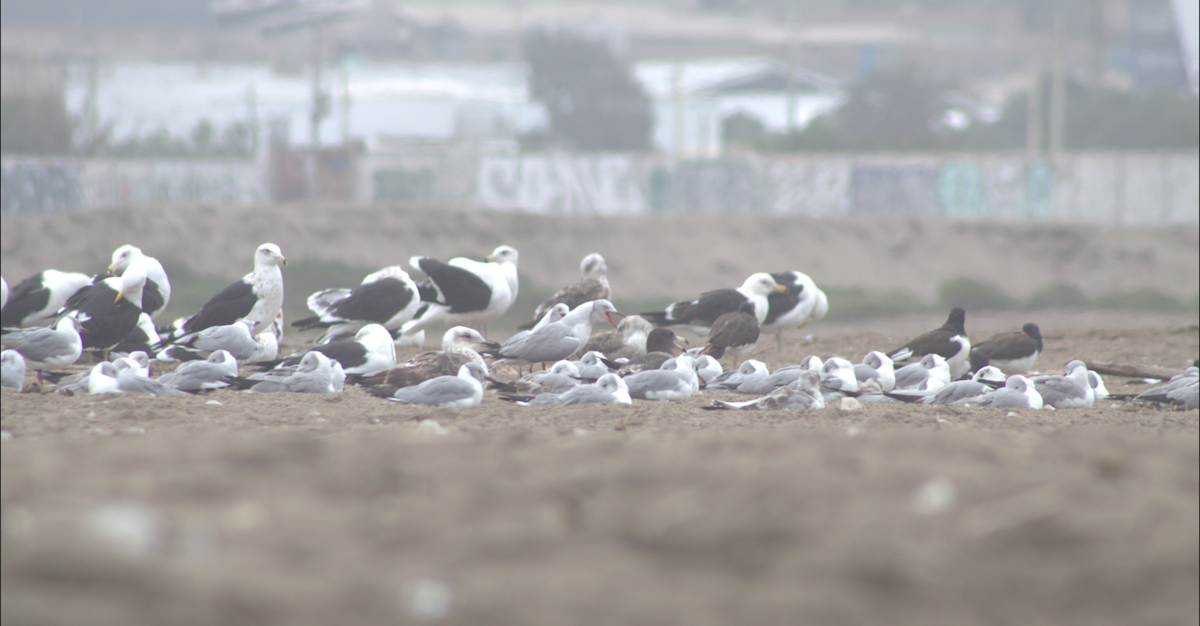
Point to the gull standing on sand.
(949, 341)
(108, 310)
(388, 297)
(257, 297)
(462, 292)
(703, 311)
(801, 303)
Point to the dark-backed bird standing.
(108, 310)
(463, 292)
(949, 342)
(256, 297)
(1012, 353)
(703, 311)
(801, 303)
(593, 286)
(388, 297)
(735, 332)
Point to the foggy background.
(1081, 110)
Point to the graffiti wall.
(1104, 188)
(39, 186)
(562, 184)
(49, 185)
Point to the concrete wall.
(1101, 188)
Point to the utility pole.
(1033, 124)
(1058, 92)
(319, 107)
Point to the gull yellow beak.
(781, 288)
(282, 260)
(120, 294)
(112, 268)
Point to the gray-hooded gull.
(236, 338)
(749, 371)
(1018, 392)
(802, 393)
(45, 348)
(608, 389)
(914, 375)
(877, 365)
(1161, 393)
(675, 381)
(314, 374)
(462, 391)
(210, 373)
(557, 340)
(1070, 391)
(106, 378)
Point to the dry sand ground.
(342, 509)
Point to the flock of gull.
(574, 348)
